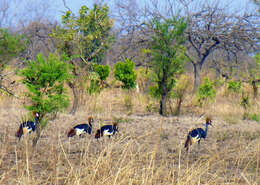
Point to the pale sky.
(22, 11)
(76, 4)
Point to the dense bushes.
(125, 72)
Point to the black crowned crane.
(107, 130)
(81, 128)
(195, 135)
(28, 126)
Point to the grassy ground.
(147, 150)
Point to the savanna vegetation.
(157, 69)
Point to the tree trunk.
(75, 98)
(255, 88)
(76, 101)
(197, 79)
(178, 107)
(163, 105)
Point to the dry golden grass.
(147, 150)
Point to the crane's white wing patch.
(107, 133)
(79, 131)
(195, 139)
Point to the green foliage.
(103, 71)
(155, 91)
(245, 100)
(206, 91)
(11, 45)
(255, 117)
(125, 72)
(257, 59)
(168, 55)
(234, 86)
(97, 78)
(44, 79)
(95, 86)
(86, 36)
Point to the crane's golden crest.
(90, 120)
(208, 120)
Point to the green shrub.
(97, 78)
(103, 71)
(255, 117)
(234, 86)
(125, 72)
(206, 91)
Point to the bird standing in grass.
(28, 126)
(196, 134)
(107, 130)
(81, 128)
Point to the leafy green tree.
(167, 55)
(125, 72)
(11, 45)
(44, 79)
(84, 38)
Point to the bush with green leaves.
(255, 117)
(44, 79)
(125, 72)
(11, 45)
(103, 72)
(206, 91)
(97, 78)
(234, 86)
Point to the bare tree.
(37, 34)
(212, 28)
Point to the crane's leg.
(199, 145)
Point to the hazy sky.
(76, 4)
(22, 11)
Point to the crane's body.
(106, 130)
(81, 128)
(28, 126)
(195, 135)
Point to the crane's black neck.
(206, 129)
(37, 120)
